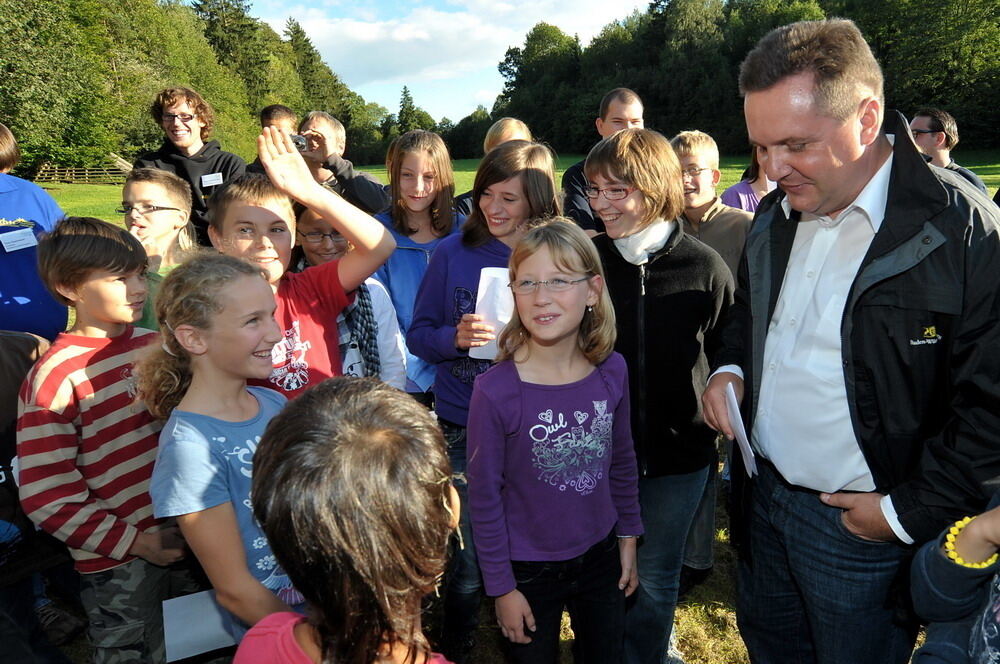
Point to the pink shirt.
(272, 641)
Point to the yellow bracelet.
(949, 546)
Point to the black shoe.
(690, 578)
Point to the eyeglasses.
(142, 209)
(527, 287)
(610, 193)
(923, 131)
(168, 118)
(317, 238)
(693, 172)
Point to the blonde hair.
(502, 129)
(419, 140)
(642, 158)
(694, 142)
(573, 251)
(188, 296)
(10, 154)
(252, 188)
(179, 193)
(534, 163)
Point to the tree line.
(77, 76)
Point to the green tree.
(235, 37)
(407, 117)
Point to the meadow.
(706, 620)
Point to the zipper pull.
(642, 280)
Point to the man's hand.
(713, 401)
(862, 514)
(514, 617)
(161, 548)
(471, 332)
(284, 164)
(318, 151)
(629, 580)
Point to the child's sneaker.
(59, 626)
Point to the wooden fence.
(96, 175)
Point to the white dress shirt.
(802, 423)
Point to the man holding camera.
(187, 119)
(324, 155)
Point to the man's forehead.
(619, 109)
(920, 122)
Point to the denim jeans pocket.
(846, 532)
(526, 572)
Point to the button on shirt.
(803, 423)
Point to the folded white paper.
(194, 624)
(736, 422)
(495, 303)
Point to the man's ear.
(870, 119)
(599, 123)
(716, 177)
(191, 339)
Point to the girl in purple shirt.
(553, 484)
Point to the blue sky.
(445, 51)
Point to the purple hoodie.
(448, 291)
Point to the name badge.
(211, 180)
(19, 239)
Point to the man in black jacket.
(187, 119)
(865, 328)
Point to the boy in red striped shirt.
(86, 447)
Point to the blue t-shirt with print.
(204, 462)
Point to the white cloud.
(386, 45)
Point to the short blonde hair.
(10, 154)
(694, 142)
(642, 158)
(572, 250)
(502, 130)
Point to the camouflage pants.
(124, 605)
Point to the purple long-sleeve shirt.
(551, 468)
(448, 291)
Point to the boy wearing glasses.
(187, 119)
(706, 217)
(157, 209)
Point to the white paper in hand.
(736, 422)
(194, 624)
(495, 303)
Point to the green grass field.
(706, 620)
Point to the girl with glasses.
(550, 443)
(514, 183)
(669, 291)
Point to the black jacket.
(207, 161)
(920, 340)
(667, 311)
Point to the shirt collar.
(870, 202)
(637, 247)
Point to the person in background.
(753, 186)
(352, 486)
(327, 141)
(620, 108)
(157, 209)
(26, 212)
(421, 215)
(936, 134)
(501, 131)
(370, 341)
(282, 118)
(187, 121)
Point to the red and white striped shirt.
(86, 447)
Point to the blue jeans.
(587, 586)
(812, 591)
(699, 551)
(668, 505)
(463, 583)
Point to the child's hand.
(629, 580)
(471, 333)
(513, 615)
(161, 548)
(284, 164)
(981, 538)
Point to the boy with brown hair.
(86, 448)
(253, 219)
